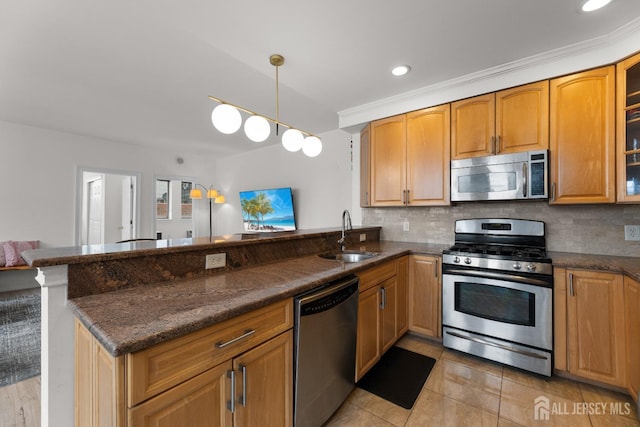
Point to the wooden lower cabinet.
(193, 379)
(425, 311)
(596, 326)
(368, 349)
(201, 401)
(632, 323)
(402, 316)
(381, 310)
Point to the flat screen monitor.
(268, 210)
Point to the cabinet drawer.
(160, 367)
(376, 275)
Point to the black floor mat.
(398, 376)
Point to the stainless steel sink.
(348, 256)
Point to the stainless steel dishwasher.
(325, 350)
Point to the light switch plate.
(405, 226)
(363, 237)
(215, 260)
(632, 232)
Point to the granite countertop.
(133, 319)
(615, 264)
(129, 320)
(46, 257)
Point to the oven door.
(506, 309)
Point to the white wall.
(321, 185)
(38, 176)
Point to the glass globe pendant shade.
(226, 118)
(312, 146)
(257, 128)
(292, 140)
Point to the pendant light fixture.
(227, 119)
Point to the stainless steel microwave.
(501, 177)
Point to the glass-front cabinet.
(628, 130)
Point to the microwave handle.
(524, 180)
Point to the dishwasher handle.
(328, 297)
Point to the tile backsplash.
(591, 229)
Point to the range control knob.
(517, 266)
(467, 260)
(456, 260)
(531, 267)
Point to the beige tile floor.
(467, 391)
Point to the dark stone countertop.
(133, 319)
(46, 257)
(614, 264)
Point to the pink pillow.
(12, 251)
(3, 260)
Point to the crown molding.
(602, 50)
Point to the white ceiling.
(139, 71)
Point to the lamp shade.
(212, 194)
(292, 140)
(195, 193)
(226, 118)
(312, 146)
(257, 128)
(219, 199)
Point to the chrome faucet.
(346, 222)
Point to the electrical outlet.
(632, 232)
(215, 260)
(363, 237)
(405, 226)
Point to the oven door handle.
(499, 276)
(501, 346)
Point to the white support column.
(57, 349)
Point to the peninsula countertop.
(129, 320)
(132, 319)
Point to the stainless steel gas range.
(497, 293)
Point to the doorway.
(106, 206)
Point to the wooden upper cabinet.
(409, 159)
(388, 161)
(522, 118)
(509, 121)
(628, 129)
(473, 126)
(428, 155)
(365, 166)
(582, 137)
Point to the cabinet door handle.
(498, 144)
(408, 198)
(404, 197)
(493, 145)
(243, 396)
(366, 198)
(553, 192)
(247, 332)
(435, 273)
(231, 404)
(383, 298)
(571, 290)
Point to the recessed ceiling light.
(400, 70)
(591, 5)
